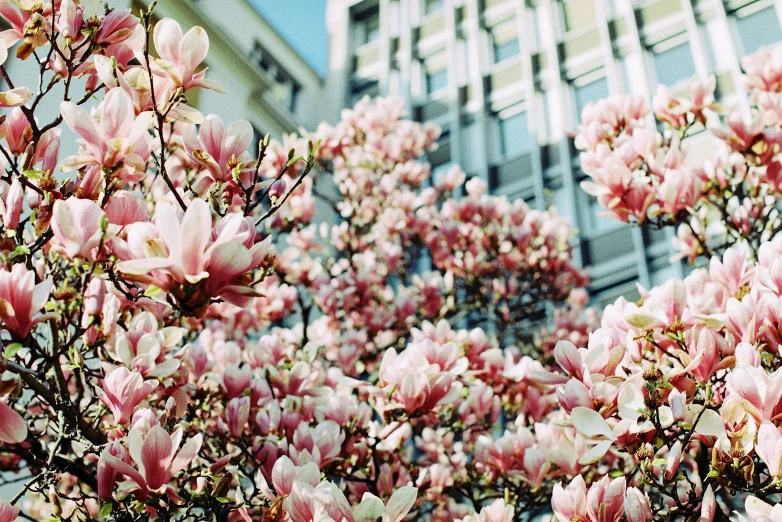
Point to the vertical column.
(548, 13)
(454, 106)
(533, 102)
(405, 51)
(613, 73)
(340, 55)
(729, 46)
(384, 13)
(475, 75)
(699, 55)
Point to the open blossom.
(220, 149)
(759, 511)
(21, 299)
(119, 139)
(603, 502)
(176, 255)
(497, 511)
(423, 375)
(123, 390)
(180, 55)
(157, 456)
(77, 227)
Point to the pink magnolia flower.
(237, 414)
(637, 507)
(759, 511)
(13, 428)
(180, 55)
(14, 204)
(124, 208)
(123, 390)
(219, 148)
(8, 513)
(757, 392)
(497, 511)
(21, 299)
(769, 448)
(116, 27)
(157, 456)
(119, 139)
(175, 255)
(76, 225)
(604, 502)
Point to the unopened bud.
(54, 502)
(225, 483)
(677, 400)
(277, 190)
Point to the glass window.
(515, 137)
(369, 88)
(674, 65)
(436, 80)
(578, 13)
(590, 92)
(505, 48)
(295, 92)
(432, 6)
(759, 29)
(369, 28)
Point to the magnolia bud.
(277, 190)
(673, 460)
(677, 400)
(54, 502)
(636, 506)
(225, 483)
(13, 205)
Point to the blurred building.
(506, 79)
(268, 83)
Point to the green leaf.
(713, 473)
(293, 160)
(152, 291)
(11, 350)
(106, 509)
(223, 500)
(34, 173)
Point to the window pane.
(432, 6)
(371, 28)
(759, 29)
(514, 135)
(674, 65)
(578, 13)
(591, 92)
(505, 50)
(436, 80)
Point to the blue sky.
(303, 24)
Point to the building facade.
(266, 81)
(507, 79)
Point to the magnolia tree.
(677, 398)
(182, 339)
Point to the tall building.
(506, 79)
